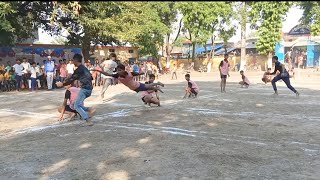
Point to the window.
(111, 50)
(131, 51)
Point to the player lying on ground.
(126, 78)
(150, 96)
(192, 89)
(245, 81)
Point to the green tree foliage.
(202, 19)
(311, 15)
(16, 22)
(102, 22)
(270, 15)
(179, 42)
(227, 34)
(142, 26)
(167, 12)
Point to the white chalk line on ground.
(123, 112)
(170, 130)
(22, 113)
(250, 114)
(184, 132)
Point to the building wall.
(35, 57)
(123, 53)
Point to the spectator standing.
(18, 74)
(49, 71)
(70, 68)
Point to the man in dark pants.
(84, 76)
(283, 74)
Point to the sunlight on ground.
(155, 123)
(130, 152)
(54, 169)
(116, 175)
(259, 105)
(144, 140)
(102, 168)
(212, 124)
(85, 145)
(45, 107)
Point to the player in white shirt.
(18, 71)
(108, 66)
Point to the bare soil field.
(242, 134)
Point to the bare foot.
(72, 117)
(92, 111)
(87, 123)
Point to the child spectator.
(2, 86)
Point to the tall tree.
(226, 34)
(202, 19)
(101, 22)
(167, 11)
(311, 15)
(140, 25)
(16, 22)
(270, 15)
(243, 24)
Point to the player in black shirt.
(283, 74)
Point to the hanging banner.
(280, 51)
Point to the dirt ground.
(243, 134)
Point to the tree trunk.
(167, 48)
(193, 51)
(85, 49)
(211, 55)
(205, 50)
(270, 60)
(243, 34)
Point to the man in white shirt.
(34, 71)
(70, 68)
(18, 71)
(108, 66)
(26, 66)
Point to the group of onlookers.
(32, 76)
(25, 74)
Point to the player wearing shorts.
(150, 96)
(192, 89)
(224, 72)
(71, 95)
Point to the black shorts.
(142, 87)
(67, 108)
(193, 91)
(143, 99)
(223, 76)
